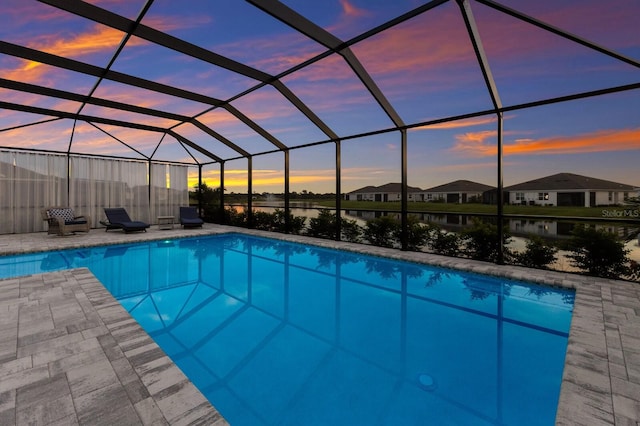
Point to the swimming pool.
(280, 333)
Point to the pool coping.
(601, 377)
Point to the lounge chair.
(189, 218)
(119, 219)
(63, 221)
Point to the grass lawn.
(474, 208)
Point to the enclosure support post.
(149, 186)
(222, 218)
(249, 211)
(338, 230)
(287, 219)
(68, 153)
(199, 193)
(404, 202)
(500, 197)
(68, 179)
(476, 41)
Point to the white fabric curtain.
(168, 189)
(179, 194)
(30, 182)
(158, 177)
(97, 183)
(136, 198)
(7, 179)
(92, 186)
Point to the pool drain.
(426, 382)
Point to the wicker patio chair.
(63, 221)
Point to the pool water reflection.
(281, 333)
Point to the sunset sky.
(425, 67)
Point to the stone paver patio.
(69, 353)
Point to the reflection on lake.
(456, 222)
(520, 229)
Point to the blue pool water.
(275, 333)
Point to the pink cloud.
(482, 144)
(477, 121)
(352, 11)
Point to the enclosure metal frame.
(299, 23)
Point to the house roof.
(461, 186)
(387, 187)
(569, 181)
(367, 189)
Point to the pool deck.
(70, 354)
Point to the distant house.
(459, 191)
(568, 189)
(386, 192)
(363, 194)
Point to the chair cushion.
(134, 224)
(75, 222)
(117, 215)
(65, 214)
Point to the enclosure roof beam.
(219, 137)
(70, 96)
(302, 107)
(560, 32)
(121, 23)
(195, 146)
(476, 40)
(103, 120)
(72, 65)
(255, 127)
(73, 116)
(61, 94)
(84, 68)
(301, 24)
(113, 20)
